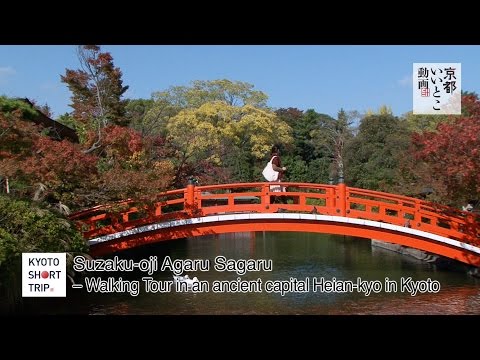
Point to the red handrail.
(339, 200)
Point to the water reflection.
(294, 255)
(449, 301)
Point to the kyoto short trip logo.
(44, 274)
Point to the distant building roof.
(56, 130)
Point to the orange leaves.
(133, 169)
(96, 89)
(452, 151)
(59, 163)
(126, 165)
(104, 58)
(119, 183)
(121, 142)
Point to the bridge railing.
(128, 214)
(414, 213)
(338, 200)
(260, 197)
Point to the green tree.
(297, 168)
(17, 107)
(421, 122)
(135, 112)
(318, 171)
(150, 117)
(234, 93)
(330, 138)
(240, 166)
(373, 156)
(26, 227)
(302, 125)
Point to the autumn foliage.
(15, 137)
(61, 166)
(127, 165)
(221, 131)
(96, 88)
(130, 166)
(452, 152)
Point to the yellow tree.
(214, 133)
(257, 130)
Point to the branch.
(94, 147)
(3, 132)
(86, 66)
(155, 119)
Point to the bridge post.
(190, 198)
(342, 197)
(265, 196)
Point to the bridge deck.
(413, 218)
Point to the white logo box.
(44, 274)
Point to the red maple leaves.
(452, 151)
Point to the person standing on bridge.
(277, 166)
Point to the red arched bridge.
(333, 209)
